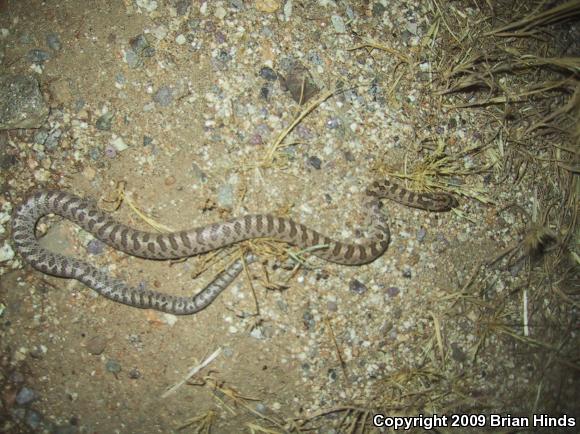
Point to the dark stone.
(264, 92)
(299, 83)
(315, 162)
(268, 74)
(105, 121)
(357, 286)
(308, 319)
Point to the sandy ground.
(192, 116)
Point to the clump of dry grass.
(516, 68)
(524, 75)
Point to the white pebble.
(180, 39)
(220, 13)
(338, 23)
(119, 144)
(148, 5)
(6, 252)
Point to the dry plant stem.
(372, 44)
(565, 12)
(239, 400)
(191, 373)
(337, 348)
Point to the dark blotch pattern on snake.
(193, 242)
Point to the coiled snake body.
(192, 242)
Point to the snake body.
(182, 244)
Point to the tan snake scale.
(193, 242)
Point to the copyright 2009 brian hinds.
(428, 422)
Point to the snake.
(181, 244)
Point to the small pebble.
(95, 247)
(113, 366)
(38, 351)
(393, 291)
(314, 57)
(268, 74)
(133, 59)
(220, 13)
(53, 139)
(163, 96)
(225, 196)
(160, 32)
(105, 121)
(147, 140)
(170, 180)
(407, 272)
(25, 396)
(96, 345)
(119, 144)
(257, 333)
(264, 92)
(38, 56)
(110, 152)
(134, 374)
(299, 83)
(332, 375)
(338, 23)
(308, 320)
(180, 39)
(148, 52)
(40, 137)
(256, 139)
(315, 162)
(421, 234)
(148, 5)
(6, 252)
(304, 132)
(357, 287)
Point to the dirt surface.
(192, 118)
